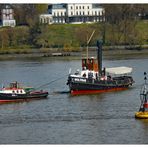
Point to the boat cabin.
(90, 64)
(14, 85)
(14, 88)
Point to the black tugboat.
(92, 79)
(15, 93)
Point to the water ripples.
(60, 118)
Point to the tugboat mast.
(88, 41)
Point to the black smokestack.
(99, 56)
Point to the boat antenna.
(69, 71)
(88, 41)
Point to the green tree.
(28, 14)
(43, 37)
(123, 20)
(4, 39)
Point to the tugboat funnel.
(99, 57)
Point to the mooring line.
(46, 84)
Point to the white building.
(74, 13)
(46, 18)
(8, 16)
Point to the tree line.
(121, 27)
(123, 20)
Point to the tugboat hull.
(22, 97)
(83, 92)
(85, 86)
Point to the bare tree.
(123, 20)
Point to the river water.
(106, 118)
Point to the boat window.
(84, 75)
(17, 91)
(21, 91)
(13, 91)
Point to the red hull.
(18, 100)
(83, 92)
(7, 101)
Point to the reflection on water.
(106, 118)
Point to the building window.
(80, 12)
(71, 7)
(88, 7)
(83, 7)
(79, 7)
(71, 13)
(76, 7)
(88, 12)
(77, 12)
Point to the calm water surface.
(106, 118)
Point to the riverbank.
(107, 54)
(125, 54)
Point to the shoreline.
(107, 54)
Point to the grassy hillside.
(71, 37)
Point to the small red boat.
(15, 93)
